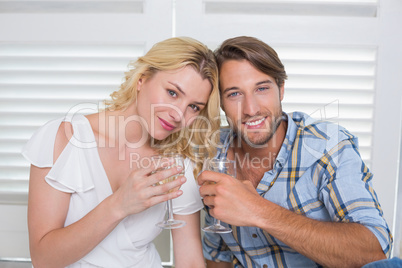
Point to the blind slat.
(71, 50)
(53, 91)
(304, 8)
(51, 64)
(58, 6)
(54, 77)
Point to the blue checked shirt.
(318, 173)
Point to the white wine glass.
(224, 166)
(165, 161)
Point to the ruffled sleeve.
(190, 201)
(70, 173)
(39, 149)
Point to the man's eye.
(233, 94)
(262, 88)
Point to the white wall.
(13, 231)
(387, 114)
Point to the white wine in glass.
(166, 161)
(225, 166)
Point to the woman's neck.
(124, 128)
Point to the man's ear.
(282, 91)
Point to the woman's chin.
(162, 136)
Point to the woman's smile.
(166, 125)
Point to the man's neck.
(254, 161)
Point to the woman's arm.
(52, 244)
(187, 242)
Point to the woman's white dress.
(79, 171)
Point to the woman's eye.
(172, 93)
(195, 108)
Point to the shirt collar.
(287, 144)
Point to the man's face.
(251, 101)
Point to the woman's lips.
(166, 125)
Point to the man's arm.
(331, 244)
(222, 264)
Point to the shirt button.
(254, 236)
(265, 266)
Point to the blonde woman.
(93, 200)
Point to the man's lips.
(255, 123)
(166, 125)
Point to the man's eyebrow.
(177, 87)
(264, 82)
(229, 89)
(257, 84)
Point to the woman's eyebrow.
(177, 87)
(182, 92)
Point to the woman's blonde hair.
(200, 139)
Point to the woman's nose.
(177, 113)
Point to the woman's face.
(171, 100)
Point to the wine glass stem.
(217, 222)
(170, 210)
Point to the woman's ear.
(139, 84)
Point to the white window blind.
(42, 82)
(335, 84)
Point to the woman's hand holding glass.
(144, 187)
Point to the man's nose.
(250, 106)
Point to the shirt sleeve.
(348, 194)
(190, 201)
(69, 173)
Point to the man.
(303, 196)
